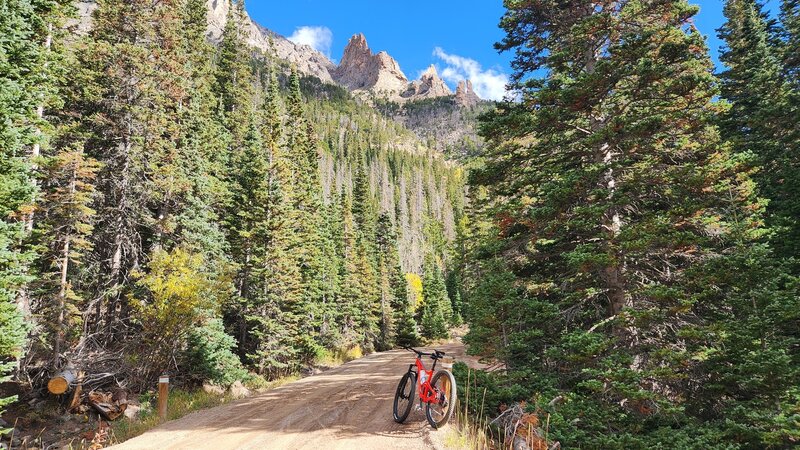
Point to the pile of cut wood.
(109, 405)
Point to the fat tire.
(408, 377)
(450, 397)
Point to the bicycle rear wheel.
(440, 411)
(404, 397)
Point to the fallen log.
(62, 382)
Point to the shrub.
(210, 354)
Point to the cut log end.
(58, 386)
(61, 383)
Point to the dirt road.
(349, 407)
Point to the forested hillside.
(632, 255)
(170, 204)
(443, 124)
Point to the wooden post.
(163, 394)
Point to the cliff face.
(361, 71)
(306, 59)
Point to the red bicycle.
(437, 391)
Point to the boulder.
(238, 390)
(213, 389)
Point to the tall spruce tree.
(437, 311)
(617, 202)
(127, 105)
(790, 20)
(307, 204)
(754, 83)
(17, 103)
(27, 82)
(202, 147)
(391, 282)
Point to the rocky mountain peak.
(465, 95)
(358, 44)
(429, 85)
(361, 70)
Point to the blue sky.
(455, 35)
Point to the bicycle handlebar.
(436, 353)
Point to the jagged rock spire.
(465, 95)
(360, 69)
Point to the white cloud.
(489, 84)
(318, 38)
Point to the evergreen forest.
(621, 233)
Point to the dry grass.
(330, 359)
(181, 403)
(469, 432)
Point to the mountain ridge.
(361, 72)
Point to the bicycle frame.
(425, 392)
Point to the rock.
(465, 96)
(306, 59)
(4, 424)
(428, 86)
(213, 389)
(237, 390)
(132, 411)
(361, 70)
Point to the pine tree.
(790, 19)
(67, 224)
(307, 201)
(615, 202)
(754, 83)
(23, 87)
(358, 296)
(234, 78)
(203, 144)
(129, 109)
(331, 270)
(436, 309)
(268, 284)
(407, 332)
(392, 300)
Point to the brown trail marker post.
(163, 394)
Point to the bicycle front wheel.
(439, 411)
(404, 397)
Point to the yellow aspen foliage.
(415, 284)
